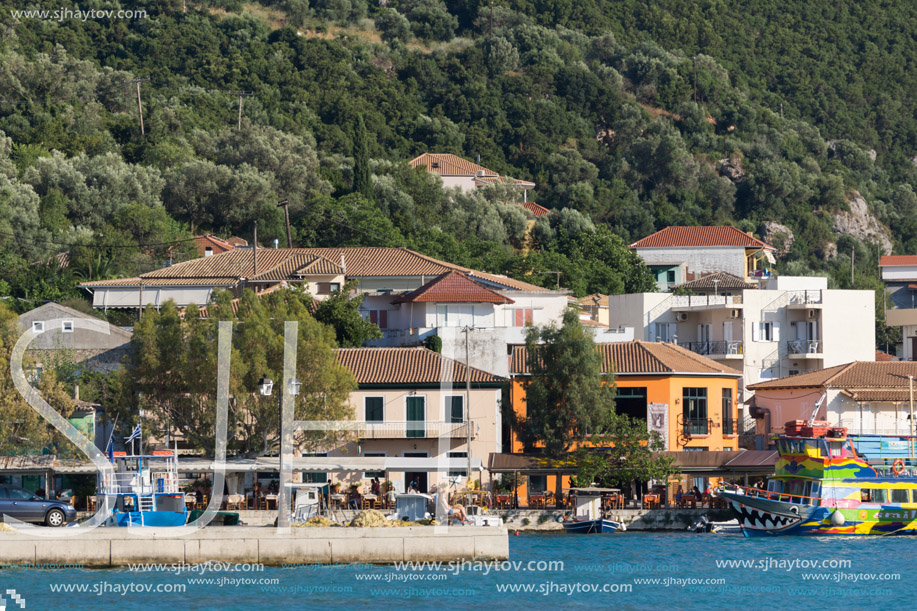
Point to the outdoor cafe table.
(650, 501)
(536, 500)
(369, 500)
(270, 498)
(503, 500)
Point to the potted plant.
(336, 488)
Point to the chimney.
(208, 251)
(276, 243)
(76, 392)
(343, 263)
(255, 250)
(477, 159)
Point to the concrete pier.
(112, 547)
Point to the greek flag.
(135, 434)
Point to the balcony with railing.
(804, 348)
(730, 427)
(411, 430)
(731, 349)
(705, 302)
(696, 426)
(804, 299)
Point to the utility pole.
(255, 250)
(910, 443)
(243, 94)
(285, 204)
(137, 81)
(467, 331)
(853, 254)
(491, 18)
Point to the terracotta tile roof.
(448, 165)
(675, 237)
(536, 210)
(892, 260)
(859, 376)
(237, 241)
(884, 357)
(592, 323)
(453, 287)
(226, 268)
(299, 265)
(506, 180)
(639, 357)
(397, 366)
(216, 245)
(719, 280)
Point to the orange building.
(689, 399)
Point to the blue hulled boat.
(587, 516)
(142, 496)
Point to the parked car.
(23, 505)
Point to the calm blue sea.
(630, 571)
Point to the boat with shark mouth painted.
(821, 486)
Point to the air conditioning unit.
(481, 173)
(813, 313)
(735, 314)
(681, 316)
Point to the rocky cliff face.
(777, 235)
(860, 223)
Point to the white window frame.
(447, 415)
(383, 408)
(374, 454)
(64, 326)
(38, 326)
(455, 474)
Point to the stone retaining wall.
(110, 547)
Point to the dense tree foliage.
(174, 365)
(629, 116)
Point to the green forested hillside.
(592, 100)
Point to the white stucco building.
(792, 325)
(899, 272)
(680, 254)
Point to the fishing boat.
(142, 496)
(821, 486)
(588, 517)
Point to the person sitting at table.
(697, 494)
(257, 495)
(354, 498)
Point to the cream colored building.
(411, 404)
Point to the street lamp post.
(266, 387)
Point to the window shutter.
(520, 318)
(755, 331)
(528, 315)
(383, 319)
(374, 317)
(775, 333)
(670, 329)
(652, 337)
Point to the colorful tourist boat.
(821, 486)
(588, 517)
(141, 496)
